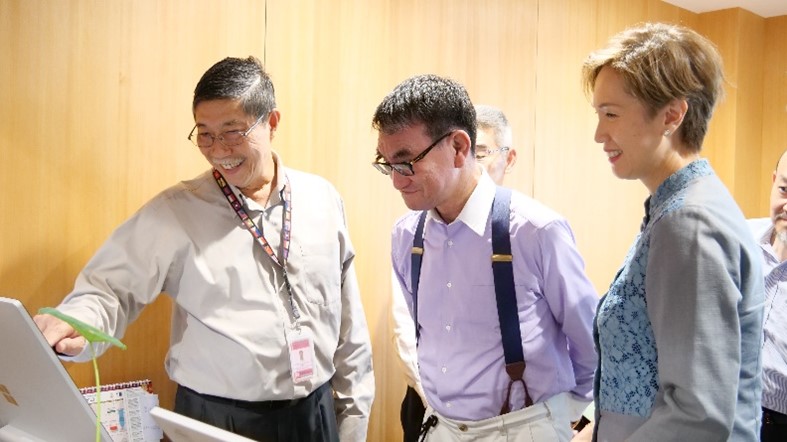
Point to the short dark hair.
(237, 79)
(441, 104)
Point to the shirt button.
(448, 285)
(450, 243)
(448, 405)
(462, 427)
(447, 328)
(444, 369)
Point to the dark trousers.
(412, 415)
(774, 426)
(310, 419)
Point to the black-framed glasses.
(480, 156)
(406, 169)
(230, 138)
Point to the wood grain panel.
(96, 108)
(737, 122)
(774, 106)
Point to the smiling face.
(249, 165)
(634, 141)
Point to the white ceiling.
(763, 8)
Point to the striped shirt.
(774, 349)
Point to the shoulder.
(704, 204)
(299, 178)
(759, 227)
(201, 187)
(406, 224)
(531, 214)
(707, 220)
(309, 189)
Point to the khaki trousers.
(542, 422)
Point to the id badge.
(301, 347)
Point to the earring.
(667, 133)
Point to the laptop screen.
(38, 399)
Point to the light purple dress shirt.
(460, 352)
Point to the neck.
(451, 209)
(670, 165)
(260, 190)
(779, 245)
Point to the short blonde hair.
(659, 63)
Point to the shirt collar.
(764, 232)
(475, 213)
(676, 183)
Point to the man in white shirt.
(269, 338)
(771, 235)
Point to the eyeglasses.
(481, 156)
(406, 169)
(229, 138)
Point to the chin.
(413, 203)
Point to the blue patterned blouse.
(679, 329)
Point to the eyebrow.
(225, 124)
(398, 156)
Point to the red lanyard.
(256, 232)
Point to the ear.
(510, 159)
(273, 120)
(674, 113)
(460, 142)
(773, 177)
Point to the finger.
(54, 329)
(70, 346)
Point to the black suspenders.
(503, 271)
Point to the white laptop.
(180, 428)
(38, 399)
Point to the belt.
(770, 417)
(256, 405)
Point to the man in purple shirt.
(426, 143)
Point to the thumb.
(70, 346)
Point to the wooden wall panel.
(737, 123)
(96, 108)
(774, 105)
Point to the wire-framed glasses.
(230, 138)
(482, 155)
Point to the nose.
(218, 149)
(399, 181)
(600, 136)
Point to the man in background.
(493, 145)
(771, 235)
(495, 152)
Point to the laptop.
(180, 428)
(39, 401)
